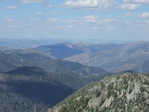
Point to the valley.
(36, 79)
(74, 55)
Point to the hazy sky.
(75, 19)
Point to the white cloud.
(55, 20)
(58, 27)
(68, 21)
(141, 1)
(31, 1)
(38, 13)
(137, 1)
(8, 19)
(103, 5)
(106, 20)
(109, 20)
(70, 26)
(89, 5)
(112, 27)
(143, 15)
(35, 19)
(10, 8)
(130, 6)
(91, 18)
(82, 3)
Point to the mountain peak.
(80, 44)
(125, 92)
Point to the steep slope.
(60, 51)
(6, 62)
(145, 66)
(72, 74)
(30, 57)
(30, 50)
(126, 92)
(62, 71)
(132, 56)
(115, 58)
(77, 81)
(61, 66)
(30, 89)
(9, 61)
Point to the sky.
(75, 19)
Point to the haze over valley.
(38, 78)
(74, 55)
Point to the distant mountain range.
(35, 79)
(32, 43)
(28, 43)
(109, 56)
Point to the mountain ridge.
(115, 59)
(122, 92)
(26, 87)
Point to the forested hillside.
(30, 88)
(33, 81)
(37, 79)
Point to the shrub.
(97, 93)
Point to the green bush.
(97, 93)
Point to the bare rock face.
(127, 92)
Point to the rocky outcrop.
(124, 92)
